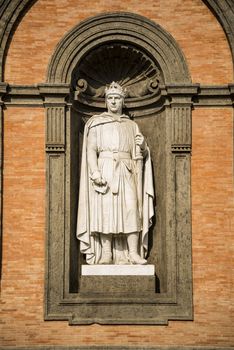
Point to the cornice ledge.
(54, 94)
(214, 96)
(182, 89)
(214, 90)
(22, 95)
(23, 89)
(181, 94)
(47, 89)
(57, 94)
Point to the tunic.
(117, 210)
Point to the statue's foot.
(106, 259)
(136, 259)
(122, 262)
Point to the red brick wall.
(23, 243)
(196, 30)
(208, 55)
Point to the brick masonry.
(206, 50)
(193, 26)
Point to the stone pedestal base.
(118, 279)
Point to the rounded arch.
(118, 27)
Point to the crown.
(115, 88)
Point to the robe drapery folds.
(125, 205)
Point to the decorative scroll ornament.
(131, 68)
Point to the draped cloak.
(133, 216)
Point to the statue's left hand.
(140, 141)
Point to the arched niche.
(158, 81)
(118, 27)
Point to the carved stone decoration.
(181, 129)
(160, 100)
(125, 64)
(131, 67)
(55, 135)
(54, 98)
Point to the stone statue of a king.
(116, 187)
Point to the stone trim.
(214, 96)
(196, 95)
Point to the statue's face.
(114, 103)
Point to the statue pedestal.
(120, 279)
(117, 270)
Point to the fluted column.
(55, 102)
(181, 147)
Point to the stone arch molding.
(120, 27)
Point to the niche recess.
(146, 60)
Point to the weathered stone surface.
(118, 285)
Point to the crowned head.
(115, 89)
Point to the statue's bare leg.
(134, 257)
(106, 241)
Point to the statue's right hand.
(97, 178)
(99, 181)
